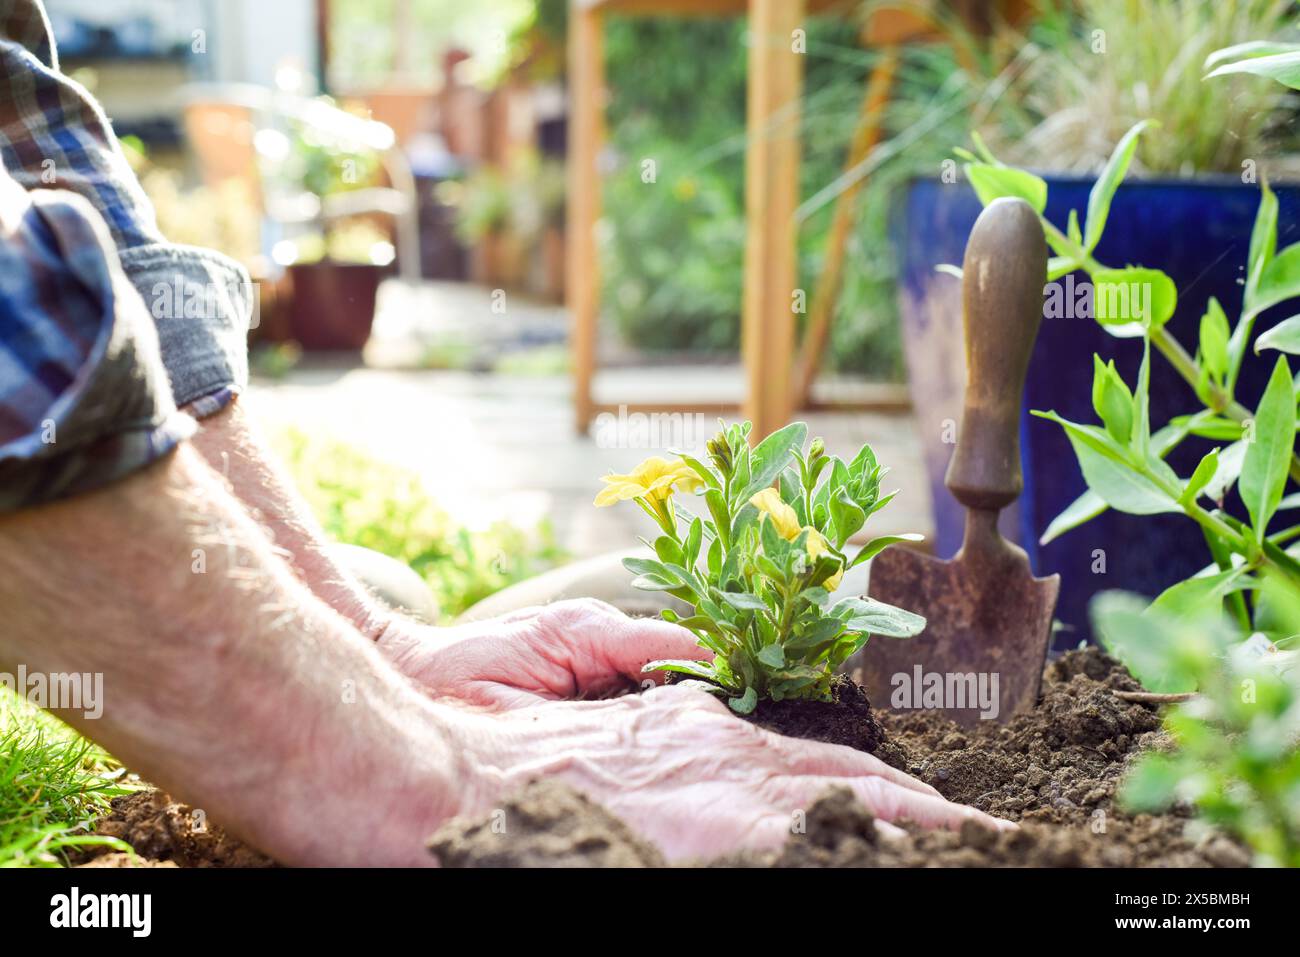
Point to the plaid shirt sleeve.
(84, 397)
(53, 135)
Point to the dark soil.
(1054, 770)
(163, 831)
(846, 719)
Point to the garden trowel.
(989, 619)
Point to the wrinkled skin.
(572, 649)
(673, 762)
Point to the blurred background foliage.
(674, 248)
(360, 500)
(1056, 97)
(1088, 70)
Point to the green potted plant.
(758, 568)
(485, 222)
(338, 258)
(1082, 78)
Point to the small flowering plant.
(758, 572)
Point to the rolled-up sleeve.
(84, 397)
(53, 135)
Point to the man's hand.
(570, 649)
(682, 771)
(673, 762)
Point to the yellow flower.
(654, 479)
(769, 503)
(782, 515)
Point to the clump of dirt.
(1055, 770)
(163, 831)
(545, 825)
(846, 719)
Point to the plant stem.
(1169, 347)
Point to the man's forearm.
(234, 448)
(224, 679)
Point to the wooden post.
(586, 138)
(771, 198)
(826, 294)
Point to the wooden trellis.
(775, 86)
(771, 189)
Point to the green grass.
(53, 783)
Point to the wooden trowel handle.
(1002, 304)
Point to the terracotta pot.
(333, 305)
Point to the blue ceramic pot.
(1197, 231)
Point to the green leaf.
(1198, 595)
(718, 510)
(645, 566)
(772, 655)
(743, 601)
(746, 703)
(1072, 230)
(1103, 191)
(816, 596)
(1140, 440)
(1247, 50)
(992, 182)
(1279, 281)
(654, 583)
(1268, 456)
(1132, 297)
(877, 618)
(1284, 337)
(1059, 266)
(792, 494)
(1112, 400)
(1147, 643)
(772, 456)
(693, 540)
(1109, 473)
(697, 669)
(1206, 469)
(1231, 460)
(878, 545)
(1083, 509)
(1282, 67)
(1263, 241)
(713, 560)
(1089, 505)
(819, 632)
(1214, 340)
(846, 515)
(668, 550)
(706, 474)
(1152, 785)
